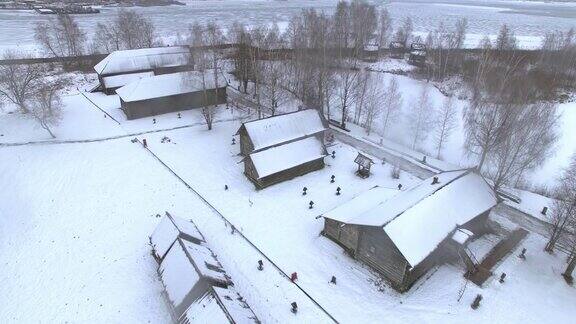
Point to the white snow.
(233, 304)
(282, 128)
(205, 310)
(205, 261)
(126, 61)
(352, 210)
(418, 230)
(168, 230)
(283, 157)
(121, 80)
(167, 85)
(178, 275)
(462, 235)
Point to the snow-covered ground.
(75, 220)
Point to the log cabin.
(173, 92)
(403, 234)
(282, 147)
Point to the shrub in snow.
(395, 172)
(476, 302)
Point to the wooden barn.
(417, 54)
(397, 49)
(195, 285)
(166, 93)
(404, 234)
(122, 67)
(283, 147)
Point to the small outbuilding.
(167, 93)
(397, 50)
(168, 231)
(364, 165)
(404, 234)
(122, 67)
(282, 147)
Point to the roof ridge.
(431, 194)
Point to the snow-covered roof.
(462, 235)
(168, 85)
(178, 275)
(205, 310)
(278, 129)
(143, 59)
(356, 208)
(283, 157)
(205, 261)
(117, 81)
(219, 305)
(235, 305)
(168, 230)
(418, 53)
(427, 213)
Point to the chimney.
(435, 180)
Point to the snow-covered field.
(75, 220)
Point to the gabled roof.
(279, 129)
(219, 305)
(165, 85)
(419, 218)
(127, 61)
(419, 229)
(117, 81)
(178, 275)
(206, 263)
(284, 157)
(168, 230)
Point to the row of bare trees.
(62, 36)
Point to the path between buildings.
(498, 252)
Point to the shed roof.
(168, 230)
(278, 129)
(284, 157)
(363, 160)
(127, 61)
(421, 227)
(165, 85)
(117, 81)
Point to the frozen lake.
(528, 19)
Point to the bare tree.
(19, 81)
(46, 104)
(564, 207)
(446, 122)
(404, 33)
(506, 39)
(384, 30)
(128, 30)
(419, 118)
(60, 36)
(345, 87)
(375, 96)
(391, 105)
(360, 92)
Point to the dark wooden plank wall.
(163, 105)
(285, 175)
(377, 250)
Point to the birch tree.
(46, 105)
(420, 117)
(18, 82)
(445, 123)
(391, 105)
(384, 29)
(563, 213)
(60, 36)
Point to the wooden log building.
(122, 67)
(404, 234)
(173, 92)
(197, 288)
(282, 147)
